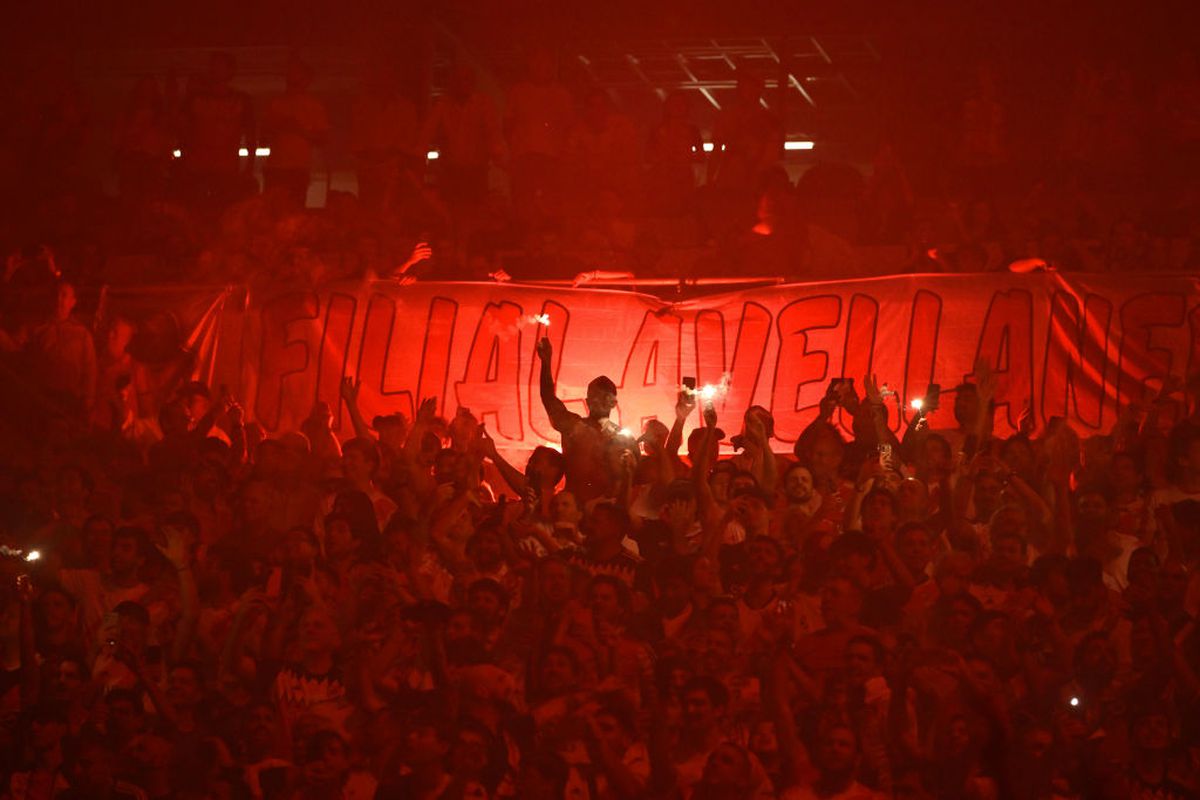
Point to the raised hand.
(679, 515)
(349, 389)
(829, 402)
(420, 253)
(544, 349)
(871, 469)
(427, 410)
(685, 404)
(846, 396)
(175, 548)
(512, 512)
(887, 460)
(985, 380)
(871, 388)
(1027, 423)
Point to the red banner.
(1076, 346)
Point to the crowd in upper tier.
(194, 180)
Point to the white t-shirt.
(1116, 569)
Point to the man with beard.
(803, 502)
(584, 439)
(100, 592)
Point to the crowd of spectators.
(541, 179)
(201, 611)
(190, 608)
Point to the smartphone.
(885, 454)
(689, 382)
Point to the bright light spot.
(708, 147)
(33, 555)
(432, 155)
(918, 404)
(1074, 702)
(262, 152)
(625, 432)
(542, 319)
(176, 154)
(243, 152)
(798, 145)
(709, 391)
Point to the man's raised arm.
(555, 410)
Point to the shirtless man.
(584, 439)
